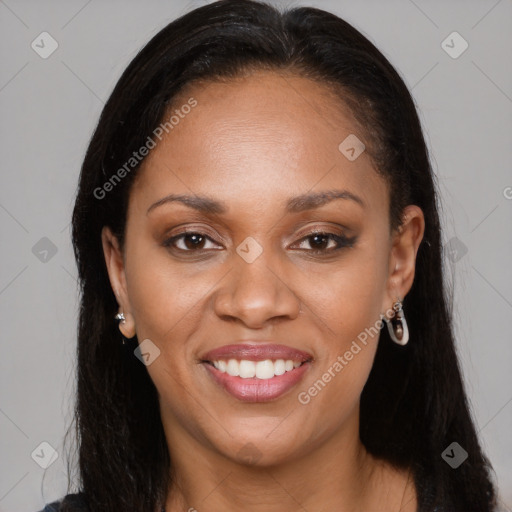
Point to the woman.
(257, 210)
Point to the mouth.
(256, 372)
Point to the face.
(274, 257)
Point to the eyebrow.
(307, 201)
(312, 200)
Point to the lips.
(254, 351)
(255, 371)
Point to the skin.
(253, 143)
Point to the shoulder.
(74, 502)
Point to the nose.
(255, 294)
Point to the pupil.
(195, 240)
(322, 239)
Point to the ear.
(402, 261)
(116, 271)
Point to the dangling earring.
(120, 316)
(397, 325)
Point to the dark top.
(77, 501)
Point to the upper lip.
(256, 351)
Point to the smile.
(256, 372)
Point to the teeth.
(260, 369)
(247, 369)
(264, 369)
(279, 367)
(232, 368)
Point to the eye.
(189, 241)
(323, 242)
(318, 242)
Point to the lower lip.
(258, 390)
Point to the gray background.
(50, 106)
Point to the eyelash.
(341, 240)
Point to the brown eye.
(320, 242)
(194, 241)
(189, 241)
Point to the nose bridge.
(254, 291)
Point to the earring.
(397, 325)
(120, 316)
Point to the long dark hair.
(414, 404)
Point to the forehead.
(265, 133)
(283, 111)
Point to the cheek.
(348, 298)
(164, 296)
(333, 390)
(347, 303)
(167, 309)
